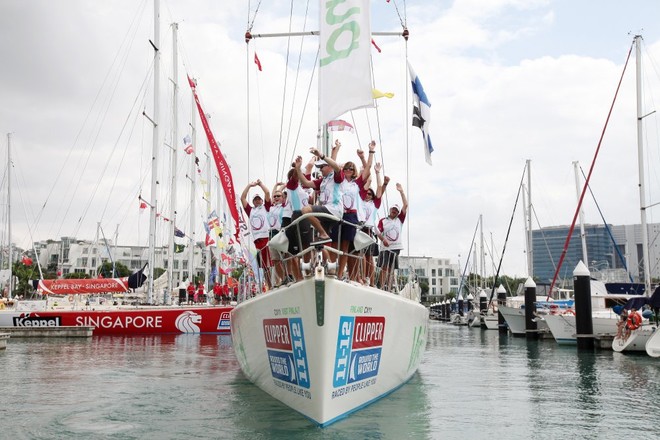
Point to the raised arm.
(366, 167)
(379, 182)
(244, 194)
(264, 188)
(383, 187)
(335, 166)
(404, 200)
(304, 181)
(335, 150)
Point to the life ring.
(70, 298)
(569, 312)
(634, 321)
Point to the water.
(472, 384)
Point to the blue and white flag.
(421, 112)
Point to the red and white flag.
(340, 125)
(188, 146)
(257, 62)
(209, 241)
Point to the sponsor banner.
(131, 322)
(83, 286)
(359, 348)
(281, 366)
(33, 320)
(224, 323)
(286, 349)
(368, 331)
(277, 334)
(299, 351)
(364, 364)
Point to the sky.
(508, 80)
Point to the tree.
(23, 276)
(105, 270)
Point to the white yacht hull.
(637, 340)
(328, 348)
(653, 345)
(515, 319)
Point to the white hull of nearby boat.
(491, 322)
(653, 345)
(327, 348)
(563, 326)
(515, 319)
(636, 341)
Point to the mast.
(583, 236)
(191, 250)
(482, 257)
(207, 266)
(11, 248)
(640, 161)
(154, 158)
(175, 142)
(530, 244)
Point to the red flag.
(375, 45)
(143, 205)
(257, 62)
(209, 241)
(221, 164)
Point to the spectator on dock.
(191, 292)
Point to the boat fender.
(569, 312)
(70, 298)
(634, 321)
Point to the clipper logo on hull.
(359, 348)
(224, 321)
(287, 354)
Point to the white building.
(81, 256)
(441, 275)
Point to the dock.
(47, 332)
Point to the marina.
(472, 383)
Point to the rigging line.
(80, 131)
(260, 124)
(506, 239)
(293, 100)
(545, 240)
(309, 89)
(467, 260)
(254, 16)
(586, 183)
(607, 228)
(100, 121)
(121, 162)
(398, 13)
(247, 99)
(107, 162)
(286, 76)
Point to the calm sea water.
(472, 384)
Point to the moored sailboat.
(323, 346)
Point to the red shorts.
(263, 253)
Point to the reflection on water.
(472, 384)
